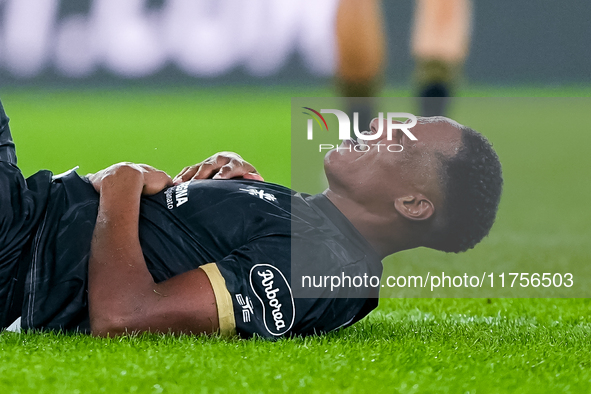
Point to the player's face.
(375, 171)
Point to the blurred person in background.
(439, 44)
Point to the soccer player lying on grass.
(130, 250)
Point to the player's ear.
(416, 207)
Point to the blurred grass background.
(407, 345)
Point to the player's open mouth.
(349, 142)
(362, 141)
(359, 145)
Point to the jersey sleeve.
(255, 296)
(256, 288)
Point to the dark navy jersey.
(254, 232)
(22, 205)
(269, 244)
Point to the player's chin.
(337, 154)
(339, 159)
(336, 165)
(331, 158)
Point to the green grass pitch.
(409, 345)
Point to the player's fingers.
(187, 174)
(155, 181)
(95, 180)
(180, 174)
(226, 172)
(204, 171)
(163, 178)
(237, 168)
(211, 166)
(168, 180)
(234, 169)
(254, 176)
(148, 168)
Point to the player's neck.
(375, 228)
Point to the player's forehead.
(438, 119)
(439, 133)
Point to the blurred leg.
(361, 49)
(440, 40)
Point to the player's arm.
(123, 296)
(222, 165)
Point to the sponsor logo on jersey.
(274, 293)
(260, 193)
(177, 195)
(247, 307)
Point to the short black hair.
(472, 186)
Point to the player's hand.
(148, 178)
(222, 165)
